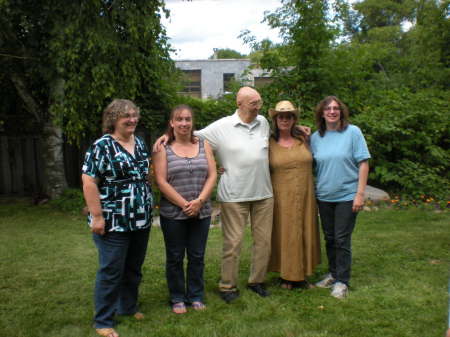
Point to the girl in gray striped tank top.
(186, 174)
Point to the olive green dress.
(295, 235)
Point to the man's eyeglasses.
(256, 104)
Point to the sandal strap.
(198, 305)
(179, 308)
(179, 305)
(106, 332)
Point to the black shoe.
(259, 289)
(229, 296)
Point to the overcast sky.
(196, 27)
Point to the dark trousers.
(182, 237)
(338, 221)
(120, 257)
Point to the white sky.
(196, 27)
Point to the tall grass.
(399, 285)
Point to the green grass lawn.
(399, 285)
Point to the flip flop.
(285, 284)
(303, 285)
(197, 305)
(107, 332)
(179, 308)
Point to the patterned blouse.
(125, 194)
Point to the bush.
(208, 111)
(71, 201)
(407, 134)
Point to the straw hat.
(283, 106)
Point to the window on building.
(262, 81)
(228, 78)
(192, 83)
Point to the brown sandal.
(304, 285)
(285, 284)
(107, 332)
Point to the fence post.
(5, 177)
(17, 174)
(30, 169)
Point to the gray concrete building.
(211, 78)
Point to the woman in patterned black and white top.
(119, 198)
(186, 173)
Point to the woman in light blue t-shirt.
(341, 166)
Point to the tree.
(66, 60)
(307, 38)
(428, 61)
(393, 77)
(263, 50)
(226, 53)
(383, 13)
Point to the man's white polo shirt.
(243, 150)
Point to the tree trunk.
(29, 102)
(53, 144)
(55, 178)
(54, 175)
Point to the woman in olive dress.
(295, 235)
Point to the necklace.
(124, 141)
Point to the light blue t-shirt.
(337, 156)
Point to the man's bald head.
(245, 93)
(249, 102)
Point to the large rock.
(375, 194)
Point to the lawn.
(399, 285)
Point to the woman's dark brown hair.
(295, 132)
(320, 121)
(173, 114)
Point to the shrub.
(407, 134)
(71, 201)
(210, 110)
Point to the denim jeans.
(120, 256)
(182, 237)
(338, 221)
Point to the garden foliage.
(393, 77)
(388, 60)
(63, 62)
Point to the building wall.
(212, 73)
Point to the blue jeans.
(185, 236)
(338, 221)
(120, 256)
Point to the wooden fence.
(21, 163)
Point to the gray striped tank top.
(187, 176)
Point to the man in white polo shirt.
(241, 143)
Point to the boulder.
(375, 194)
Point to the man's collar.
(237, 120)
